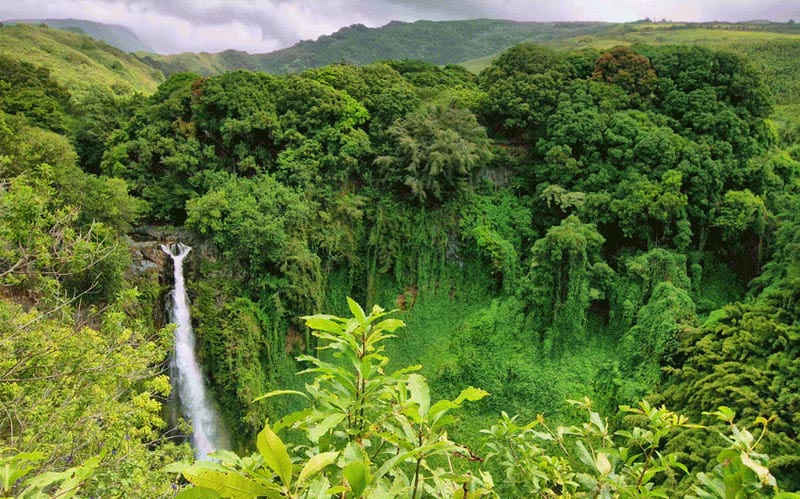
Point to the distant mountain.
(438, 42)
(113, 34)
(78, 61)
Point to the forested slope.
(613, 223)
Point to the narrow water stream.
(187, 376)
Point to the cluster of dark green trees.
(617, 203)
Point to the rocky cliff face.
(145, 247)
(147, 257)
(151, 268)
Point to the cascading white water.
(194, 400)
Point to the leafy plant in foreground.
(592, 461)
(370, 434)
(15, 474)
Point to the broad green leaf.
(472, 394)
(419, 393)
(317, 430)
(323, 324)
(428, 450)
(357, 475)
(602, 464)
(227, 458)
(10, 471)
(176, 467)
(72, 484)
(228, 483)
(275, 456)
(598, 422)
(764, 476)
(44, 480)
(441, 406)
(290, 419)
(320, 488)
(316, 464)
(279, 392)
(357, 311)
(716, 487)
(197, 493)
(390, 325)
(584, 455)
(10, 474)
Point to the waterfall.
(187, 378)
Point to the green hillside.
(772, 48)
(79, 62)
(113, 34)
(440, 42)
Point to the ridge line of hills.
(473, 42)
(78, 60)
(116, 35)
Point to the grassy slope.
(79, 62)
(113, 34)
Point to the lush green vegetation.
(615, 223)
(81, 63)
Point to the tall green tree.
(566, 273)
(435, 153)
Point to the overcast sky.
(256, 26)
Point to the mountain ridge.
(437, 42)
(116, 35)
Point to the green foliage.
(434, 154)
(66, 484)
(31, 90)
(79, 364)
(631, 71)
(522, 88)
(566, 274)
(261, 223)
(373, 434)
(98, 115)
(380, 88)
(711, 371)
(104, 394)
(637, 279)
(555, 264)
(499, 226)
(156, 151)
(592, 460)
(51, 221)
(181, 139)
